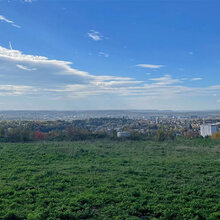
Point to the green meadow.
(106, 179)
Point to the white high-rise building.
(208, 130)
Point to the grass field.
(110, 180)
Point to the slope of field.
(110, 180)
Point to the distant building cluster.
(117, 123)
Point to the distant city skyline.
(99, 55)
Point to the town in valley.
(119, 123)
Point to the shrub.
(162, 135)
(216, 135)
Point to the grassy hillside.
(110, 180)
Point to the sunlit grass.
(109, 179)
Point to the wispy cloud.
(10, 46)
(196, 79)
(25, 67)
(191, 53)
(95, 35)
(28, 1)
(4, 19)
(165, 80)
(150, 66)
(106, 55)
(14, 90)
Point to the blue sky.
(73, 55)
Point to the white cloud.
(39, 69)
(151, 66)
(165, 80)
(106, 55)
(25, 67)
(4, 19)
(28, 1)
(196, 79)
(39, 76)
(12, 90)
(43, 64)
(95, 35)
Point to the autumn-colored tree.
(216, 135)
(38, 135)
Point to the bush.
(162, 135)
(18, 135)
(216, 135)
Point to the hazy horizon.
(78, 110)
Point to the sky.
(109, 54)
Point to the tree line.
(22, 134)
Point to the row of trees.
(20, 134)
(69, 134)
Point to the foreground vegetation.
(106, 179)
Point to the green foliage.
(162, 135)
(18, 135)
(106, 179)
